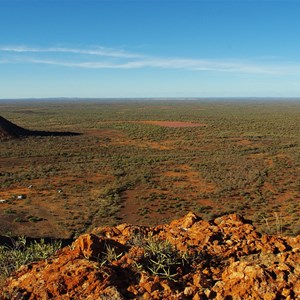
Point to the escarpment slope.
(11, 130)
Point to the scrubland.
(149, 162)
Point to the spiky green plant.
(22, 253)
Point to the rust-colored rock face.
(186, 259)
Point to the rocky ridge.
(11, 130)
(187, 259)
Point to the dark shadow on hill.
(11, 130)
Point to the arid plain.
(149, 162)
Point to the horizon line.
(157, 98)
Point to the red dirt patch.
(176, 124)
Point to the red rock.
(89, 245)
(222, 258)
(185, 222)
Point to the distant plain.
(148, 162)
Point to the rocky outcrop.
(187, 259)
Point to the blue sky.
(149, 48)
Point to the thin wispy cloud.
(109, 58)
(99, 51)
